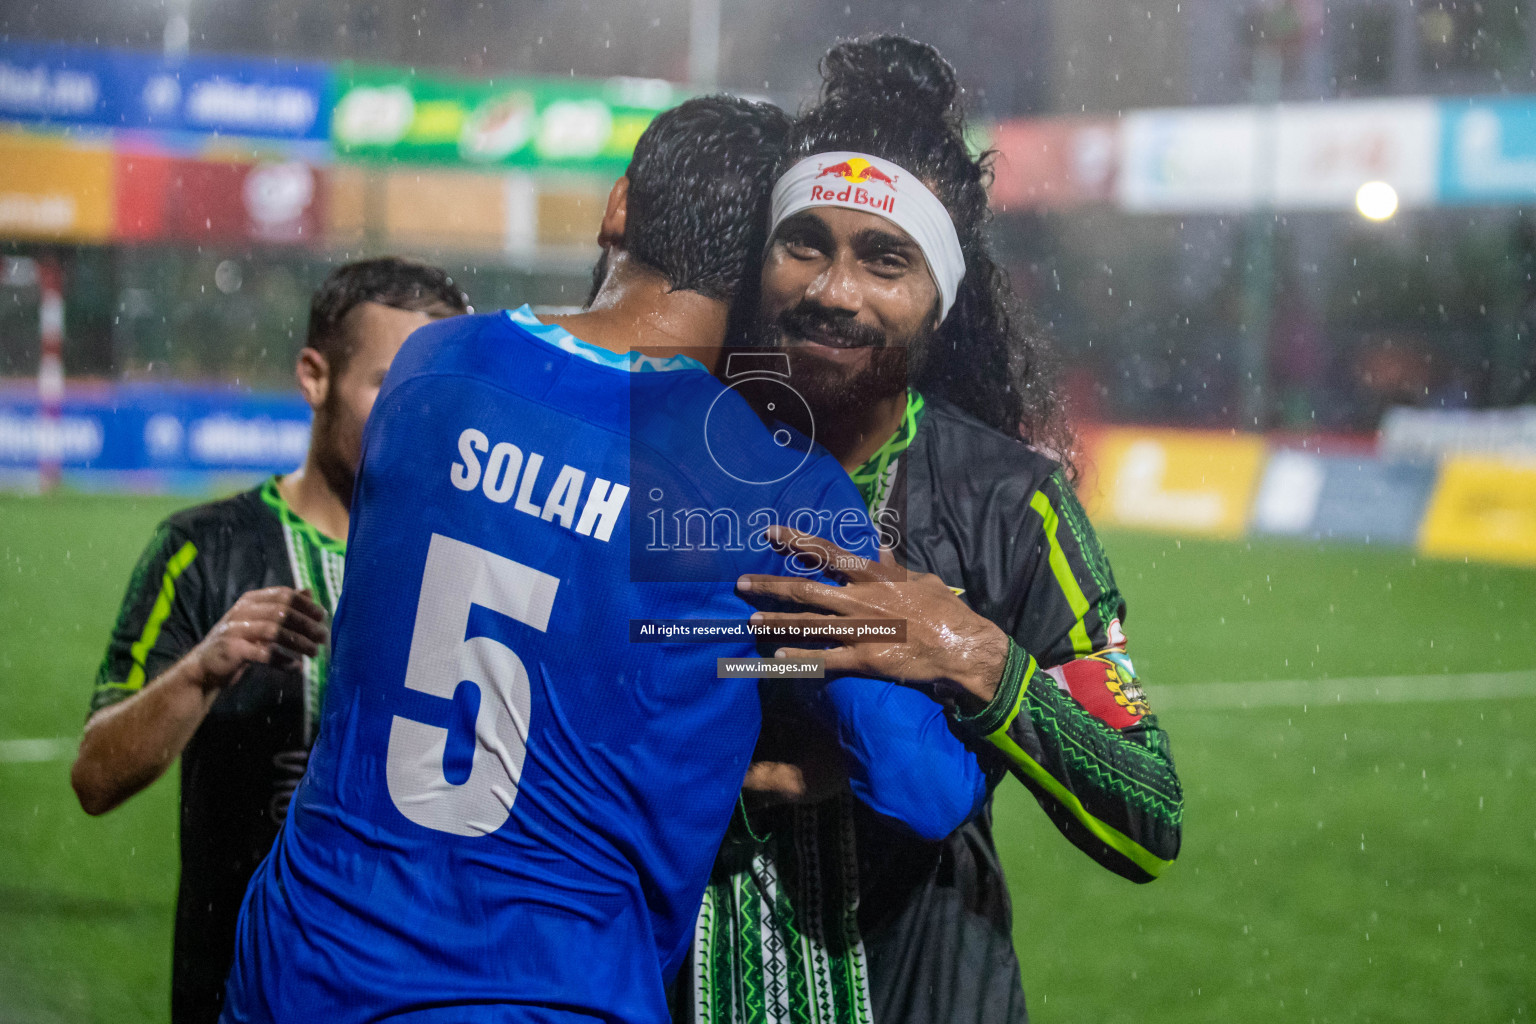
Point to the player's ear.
(313, 371)
(615, 215)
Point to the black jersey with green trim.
(824, 912)
(245, 759)
(997, 521)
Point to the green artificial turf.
(85, 904)
(1358, 862)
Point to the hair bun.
(890, 69)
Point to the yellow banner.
(53, 189)
(1178, 481)
(439, 210)
(350, 193)
(1482, 508)
(570, 216)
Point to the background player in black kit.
(219, 650)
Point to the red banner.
(173, 198)
(1056, 162)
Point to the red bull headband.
(858, 181)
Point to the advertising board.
(53, 188)
(1178, 481)
(155, 432)
(395, 115)
(259, 97)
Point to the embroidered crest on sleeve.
(1105, 685)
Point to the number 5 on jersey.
(457, 577)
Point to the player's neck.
(853, 435)
(637, 310)
(313, 500)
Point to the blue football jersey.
(511, 809)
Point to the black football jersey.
(245, 760)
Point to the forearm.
(903, 759)
(1112, 791)
(129, 745)
(977, 665)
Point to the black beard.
(339, 473)
(834, 392)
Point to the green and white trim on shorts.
(778, 942)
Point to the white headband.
(858, 181)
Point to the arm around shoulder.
(903, 760)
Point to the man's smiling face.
(849, 297)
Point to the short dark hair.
(897, 98)
(390, 281)
(699, 183)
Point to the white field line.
(1297, 693)
(1320, 693)
(34, 751)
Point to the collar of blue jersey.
(565, 341)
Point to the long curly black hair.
(897, 98)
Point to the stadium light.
(1376, 200)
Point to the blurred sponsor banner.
(444, 209)
(120, 89)
(58, 84)
(157, 429)
(166, 197)
(348, 204)
(1195, 483)
(394, 114)
(1194, 159)
(1342, 498)
(462, 211)
(1291, 156)
(1324, 152)
(51, 188)
(570, 215)
(230, 96)
(1431, 433)
(1180, 481)
(1483, 508)
(1054, 163)
(1489, 153)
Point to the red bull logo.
(858, 172)
(842, 170)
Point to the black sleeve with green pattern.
(155, 626)
(1064, 598)
(1070, 719)
(1111, 790)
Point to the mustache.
(810, 320)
